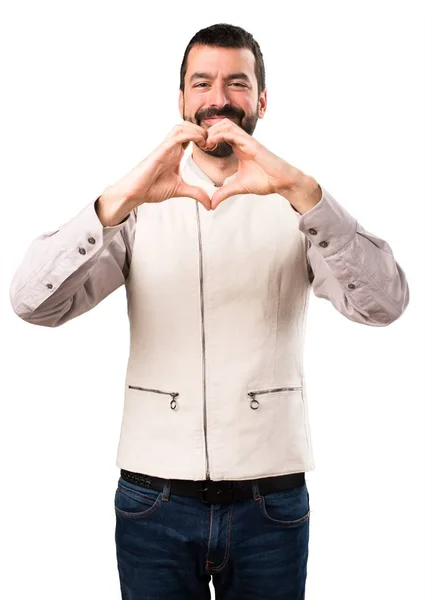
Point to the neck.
(217, 169)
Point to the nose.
(218, 96)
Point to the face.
(221, 82)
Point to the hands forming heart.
(157, 177)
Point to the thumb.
(195, 192)
(230, 189)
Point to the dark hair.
(223, 35)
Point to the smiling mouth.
(215, 119)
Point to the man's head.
(222, 74)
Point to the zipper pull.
(254, 403)
(173, 402)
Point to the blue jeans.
(169, 546)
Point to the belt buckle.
(213, 493)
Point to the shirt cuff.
(328, 225)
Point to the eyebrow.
(198, 75)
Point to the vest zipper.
(174, 395)
(255, 404)
(201, 282)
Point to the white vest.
(217, 302)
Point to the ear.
(262, 103)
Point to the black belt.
(216, 492)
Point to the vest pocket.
(174, 395)
(273, 432)
(255, 404)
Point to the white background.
(89, 89)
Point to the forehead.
(220, 61)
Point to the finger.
(192, 191)
(185, 126)
(190, 125)
(198, 131)
(184, 138)
(185, 133)
(230, 189)
(200, 134)
(201, 141)
(224, 136)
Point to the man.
(215, 437)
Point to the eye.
(233, 83)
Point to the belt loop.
(166, 491)
(256, 490)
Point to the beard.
(247, 122)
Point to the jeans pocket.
(135, 502)
(288, 508)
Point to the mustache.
(224, 112)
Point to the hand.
(259, 171)
(157, 177)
